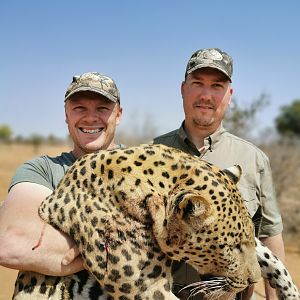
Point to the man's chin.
(92, 147)
(203, 123)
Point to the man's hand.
(70, 256)
(247, 293)
(21, 229)
(275, 244)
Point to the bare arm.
(275, 244)
(20, 231)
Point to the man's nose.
(91, 116)
(205, 93)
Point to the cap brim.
(212, 66)
(94, 90)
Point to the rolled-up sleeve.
(271, 223)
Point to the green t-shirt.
(44, 170)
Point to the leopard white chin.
(91, 131)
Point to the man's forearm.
(45, 259)
(275, 244)
(21, 230)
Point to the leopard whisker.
(213, 287)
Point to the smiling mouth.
(90, 131)
(204, 107)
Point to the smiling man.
(206, 93)
(93, 111)
(92, 107)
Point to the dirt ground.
(13, 155)
(7, 279)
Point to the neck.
(198, 134)
(79, 152)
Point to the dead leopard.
(131, 211)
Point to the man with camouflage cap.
(92, 111)
(206, 93)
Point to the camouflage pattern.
(94, 82)
(210, 58)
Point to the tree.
(36, 140)
(5, 133)
(240, 120)
(288, 122)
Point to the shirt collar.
(209, 142)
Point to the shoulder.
(65, 158)
(44, 170)
(48, 162)
(245, 147)
(167, 137)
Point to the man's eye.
(196, 83)
(218, 85)
(78, 108)
(103, 108)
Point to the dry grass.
(285, 163)
(286, 177)
(12, 156)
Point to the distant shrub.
(288, 121)
(5, 133)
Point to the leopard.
(132, 211)
(272, 269)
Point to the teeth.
(90, 130)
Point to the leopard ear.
(194, 209)
(234, 173)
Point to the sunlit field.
(11, 156)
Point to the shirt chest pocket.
(250, 198)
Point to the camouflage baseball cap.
(94, 82)
(210, 58)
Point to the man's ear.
(66, 116)
(183, 88)
(231, 94)
(119, 115)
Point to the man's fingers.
(74, 267)
(70, 256)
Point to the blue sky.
(144, 46)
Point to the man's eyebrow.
(196, 76)
(221, 79)
(218, 79)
